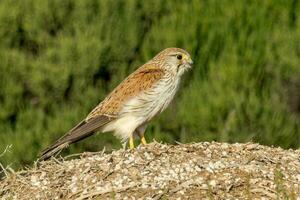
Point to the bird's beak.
(188, 61)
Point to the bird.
(128, 109)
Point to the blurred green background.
(58, 59)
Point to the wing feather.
(140, 80)
(82, 130)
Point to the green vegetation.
(58, 59)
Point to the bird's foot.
(131, 142)
(143, 140)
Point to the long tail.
(82, 130)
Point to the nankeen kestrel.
(133, 103)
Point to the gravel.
(159, 171)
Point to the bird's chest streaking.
(154, 100)
(144, 106)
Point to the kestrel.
(127, 110)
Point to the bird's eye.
(179, 57)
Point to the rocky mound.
(157, 171)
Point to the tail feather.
(82, 130)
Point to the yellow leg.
(143, 140)
(131, 142)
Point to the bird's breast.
(153, 101)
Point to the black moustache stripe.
(178, 67)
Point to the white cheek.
(172, 64)
(181, 70)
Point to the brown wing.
(82, 130)
(140, 80)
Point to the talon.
(131, 142)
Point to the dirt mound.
(157, 171)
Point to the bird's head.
(175, 60)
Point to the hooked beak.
(187, 61)
(190, 61)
